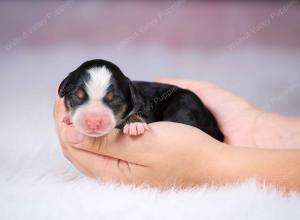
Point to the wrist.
(279, 168)
(208, 167)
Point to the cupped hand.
(167, 154)
(176, 154)
(242, 123)
(237, 118)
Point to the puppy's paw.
(67, 120)
(135, 128)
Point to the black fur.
(144, 101)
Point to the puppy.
(99, 98)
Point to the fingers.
(95, 157)
(175, 81)
(186, 84)
(90, 164)
(70, 135)
(105, 168)
(59, 114)
(214, 97)
(60, 110)
(107, 157)
(65, 131)
(211, 94)
(116, 145)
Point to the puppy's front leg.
(135, 125)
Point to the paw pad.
(135, 128)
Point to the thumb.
(72, 136)
(109, 158)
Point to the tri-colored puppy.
(99, 98)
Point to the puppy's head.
(97, 96)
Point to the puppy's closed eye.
(79, 94)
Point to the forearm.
(279, 168)
(276, 131)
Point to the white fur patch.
(98, 83)
(94, 105)
(96, 88)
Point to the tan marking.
(135, 118)
(120, 114)
(109, 96)
(80, 93)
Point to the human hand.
(236, 117)
(173, 154)
(168, 154)
(242, 123)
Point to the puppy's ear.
(65, 87)
(136, 98)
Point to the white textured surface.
(36, 182)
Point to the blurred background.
(251, 48)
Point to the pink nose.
(94, 124)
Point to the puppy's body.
(165, 102)
(99, 97)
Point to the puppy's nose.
(94, 124)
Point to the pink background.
(252, 49)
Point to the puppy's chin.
(96, 134)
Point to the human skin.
(242, 123)
(175, 154)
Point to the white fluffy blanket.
(36, 182)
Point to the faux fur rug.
(37, 182)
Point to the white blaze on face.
(94, 118)
(98, 83)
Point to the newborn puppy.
(99, 98)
